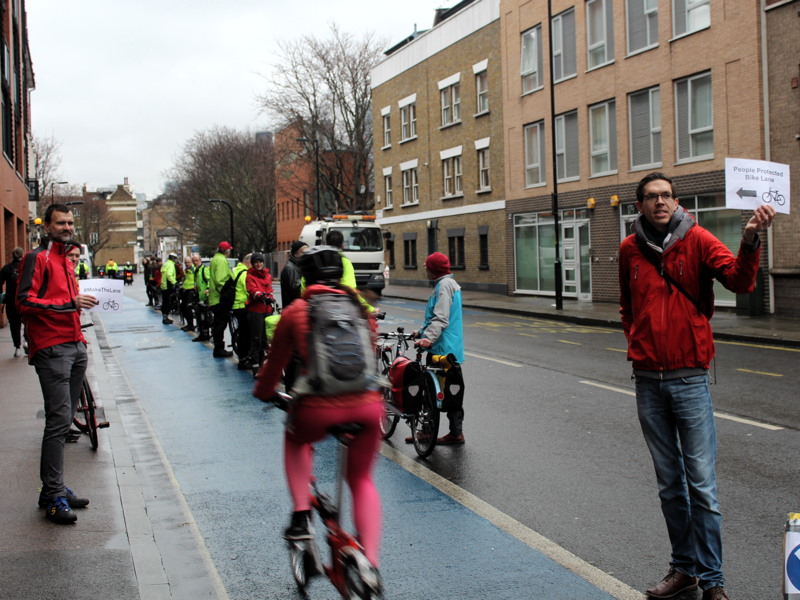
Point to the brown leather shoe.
(673, 584)
(451, 440)
(715, 593)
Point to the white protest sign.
(751, 183)
(107, 291)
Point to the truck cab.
(363, 245)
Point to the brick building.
(15, 124)
(438, 121)
(122, 244)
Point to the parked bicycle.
(414, 393)
(86, 415)
(349, 570)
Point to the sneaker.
(451, 440)
(298, 528)
(17, 352)
(59, 511)
(202, 338)
(72, 499)
(222, 353)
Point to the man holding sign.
(49, 303)
(667, 269)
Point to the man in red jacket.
(50, 305)
(666, 272)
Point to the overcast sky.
(122, 85)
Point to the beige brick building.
(439, 177)
(639, 87)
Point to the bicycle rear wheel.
(85, 418)
(389, 419)
(425, 425)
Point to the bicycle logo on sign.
(111, 305)
(773, 195)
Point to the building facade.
(438, 123)
(122, 245)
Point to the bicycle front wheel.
(85, 417)
(425, 425)
(388, 419)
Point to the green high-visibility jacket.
(241, 286)
(220, 272)
(168, 274)
(201, 281)
(188, 278)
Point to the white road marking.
(497, 360)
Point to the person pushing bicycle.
(311, 415)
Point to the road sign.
(751, 183)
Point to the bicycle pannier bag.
(341, 358)
(405, 377)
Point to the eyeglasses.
(654, 197)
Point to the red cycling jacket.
(259, 284)
(46, 292)
(665, 330)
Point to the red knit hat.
(225, 246)
(438, 264)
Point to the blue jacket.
(443, 322)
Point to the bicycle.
(414, 394)
(349, 571)
(85, 418)
(771, 195)
(111, 305)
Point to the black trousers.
(242, 347)
(221, 317)
(188, 299)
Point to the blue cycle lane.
(224, 449)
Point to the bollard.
(791, 557)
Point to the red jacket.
(259, 285)
(46, 292)
(665, 330)
(291, 336)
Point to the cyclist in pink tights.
(311, 416)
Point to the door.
(576, 262)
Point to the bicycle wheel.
(389, 419)
(360, 580)
(85, 418)
(425, 425)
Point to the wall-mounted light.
(614, 200)
(590, 203)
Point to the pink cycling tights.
(310, 424)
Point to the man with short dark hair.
(50, 305)
(291, 277)
(667, 269)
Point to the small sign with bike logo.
(751, 183)
(107, 291)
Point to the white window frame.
(450, 99)
(690, 16)
(408, 118)
(481, 88)
(388, 201)
(642, 14)
(534, 129)
(484, 174)
(410, 182)
(452, 182)
(653, 128)
(560, 42)
(600, 51)
(692, 131)
(530, 64)
(387, 126)
(603, 149)
(564, 150)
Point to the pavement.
(137, 539)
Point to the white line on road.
(525, 534)
(717, 414)
(497, 360)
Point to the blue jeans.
(677, 421)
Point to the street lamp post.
(318, 202)
(53, 183)
(230, 212)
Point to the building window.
(531, 61)
(564, 59)
(387, 131)
(484, 181)
(451, 104)
(390, 249)
(410, 250)
(534, 154)
(455, 248)
(694, 118)
(642, 25)
(408, 121)
(483, 247)
(482, 92)
(387, 184)
(599, 32)
(689, 16)
(603, 138)
(644, 112)
(451, 175)
(410, 186)
(567, 162)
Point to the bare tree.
(47, 158)
(321, 90)
(234, 166)
(93, 221)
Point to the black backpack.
(341, 358)
(227, 295)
